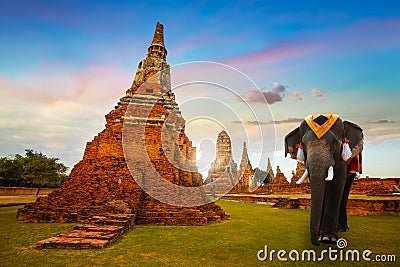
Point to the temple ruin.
(245, 178)
(223, 171)
(103, 189)
(223, 174)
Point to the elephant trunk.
(317, 202)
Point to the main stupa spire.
(154, 63)
(157, 47)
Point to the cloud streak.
(285, 121)
(380, 122)
(89, 85)
(275, 54)
(295, 96)
(59, 112)
(276, 94)
(315, 92)
(378, 135)
(365, 34)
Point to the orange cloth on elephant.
(321, 123)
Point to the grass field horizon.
(231, 243)
(22, 199)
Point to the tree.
(43, 171)
(11, 170)
(268, 179)
(260, 175)
(35, 169)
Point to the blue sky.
(65, 64)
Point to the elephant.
(323, 152)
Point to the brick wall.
(15, 191)
(363, 186)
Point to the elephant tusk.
(300, 154)
(330, 174)
(303, 178)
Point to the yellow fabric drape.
(320, 130)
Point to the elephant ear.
(291, 140)
(355, 135)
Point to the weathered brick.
(101, 189)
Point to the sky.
(65, 64)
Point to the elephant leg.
(332, 201)
(317, 200)
(342, 221)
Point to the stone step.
(114, 216)
(100, 228)
(280, 203)
(287, 204)
(155, 206)
(156, 209)
(106, 235)
(111, 219)
(158, 213)
(85, 236)
(69, 242)
(99, 232)
(108, 222)
(214, 218)
(172, 220)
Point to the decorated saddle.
(321, 123)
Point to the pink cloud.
(285, 121)
(13, 89)
(381, 134)
(275, 54)
(57, 109)
(381, 121)
(372, 32)
(295, 96)
(90, 85)
(364, 35)
(316, 92)
(187, 46)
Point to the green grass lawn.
(17, 199)
(230, 243)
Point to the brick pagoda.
(144, 134)
(300, 169)
(245, 176)
(270, 172)
(223, 171)
(279, 177)
(223, 175)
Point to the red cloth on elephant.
(355, 164)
